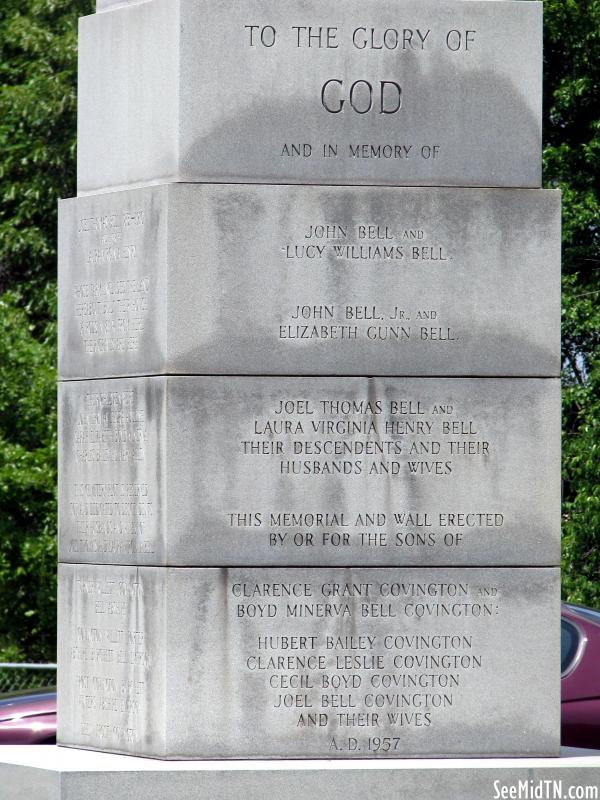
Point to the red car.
(28, 718)
(31, 718)
(580, 671)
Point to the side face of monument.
(294, 280)
(112, 467)
(422, 92)
(113, 664)
(213, 471)
(112, 283)
(309, 663)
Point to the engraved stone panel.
(111, 655)
(212, 471)
(311, 663)
(409, 92)
(112, 283)
(112, 470)
(221, 279)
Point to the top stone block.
(398, 92)
(107, 5)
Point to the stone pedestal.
(309, 423)
(61, 774)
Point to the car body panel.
(580, 684)
(28, 718)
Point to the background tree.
(572, 163)
(37, 166)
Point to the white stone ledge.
(55, 773)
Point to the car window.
(569, 644)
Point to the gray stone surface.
(213, 471)
(106, 5)
(56, 773)
(177, 90)
(312, 663)
(222, 279)
(109, 5)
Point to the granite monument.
(309, 401)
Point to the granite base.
(54, 773)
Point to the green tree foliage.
(27, 487)
(38, 62)
(37, 166)
(38, 57)
(572, 163)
